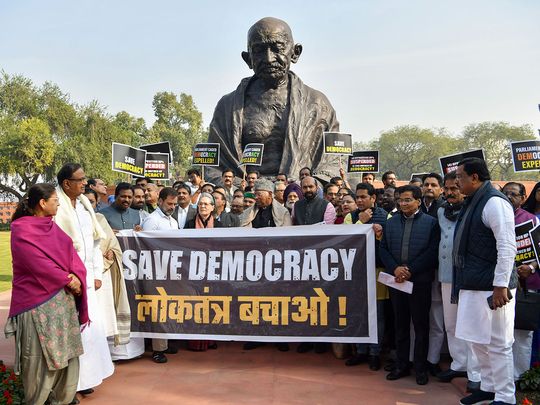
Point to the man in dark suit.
(184, 211)
(409, 251)
(226, 219)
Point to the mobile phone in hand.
(490, 299)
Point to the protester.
(196, 181)
(292, 194)
(206, 188)
(120, 215)
(368, 213)
(76, 217)
(266, 213)
(279, 189)
(227, 178)
(431, 201)
(409, 252)
(532, 203)
(47, 275)
(249, 199)
(528, 277)
(389, 179)
(184, 211)
(464, 363)
(143, 182)
(251, 177)
(388, 199)
(100, 188)
(484, 252)
(368, 178)
(283, 178)
(161, 220)
(112, 296)
(226, 219)
(336, 181)
(312, 209)
(348, 204)
(151, 195)
(330, 193)
(238, 194)
(416, 181)
(237, 206)
(138, 202)
(304, 172)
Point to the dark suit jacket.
(229, 220)
(190, 213)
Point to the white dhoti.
(106, 304)
(522, 350)
(133, 349)
(492, 335)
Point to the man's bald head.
(308, 180)
(269, 26)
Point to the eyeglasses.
(511, 194)
(80, 180)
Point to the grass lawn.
(6, 273)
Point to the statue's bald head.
(271, 50)
(269, 26)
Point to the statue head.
(271, 49)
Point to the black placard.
(337, 143)
(364, 162)
(253, 154)
(206, 154)
(127, 159)
(450, 163)
(157, 166)
(526, 155)
(160, 147)
(419, 176)
(525, 249)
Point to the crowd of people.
(452, 237)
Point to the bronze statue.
(273, 107)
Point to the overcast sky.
(381, 63)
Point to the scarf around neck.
(451, 211)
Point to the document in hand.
(390, 281)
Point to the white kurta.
(95, 364)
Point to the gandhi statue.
(273, 107)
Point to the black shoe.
(356, 360)
(75, 401)
(86, 392)
(304, 347)
(374, 363)
(282, 347)
(320, 348)
(472, 386)
(389, 367)
(159, 357)
(397, 373)
(449, 375)
(171, 350)
(422, 378)
(477, 398)
(499, 403)
(433, 369)
(252, 345)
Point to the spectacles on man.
(405, 200)
(79, 180)
(511, 194)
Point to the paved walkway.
(230, 375)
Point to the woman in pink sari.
(48, 301)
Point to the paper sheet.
(390, 281)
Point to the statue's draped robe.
(310, 114)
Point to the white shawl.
(66, 219)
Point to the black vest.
(309, 212)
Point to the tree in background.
(494, 138)
(410, 149)
(180, 122)
(41, 129)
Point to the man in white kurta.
(490, 330)
(76, 217)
